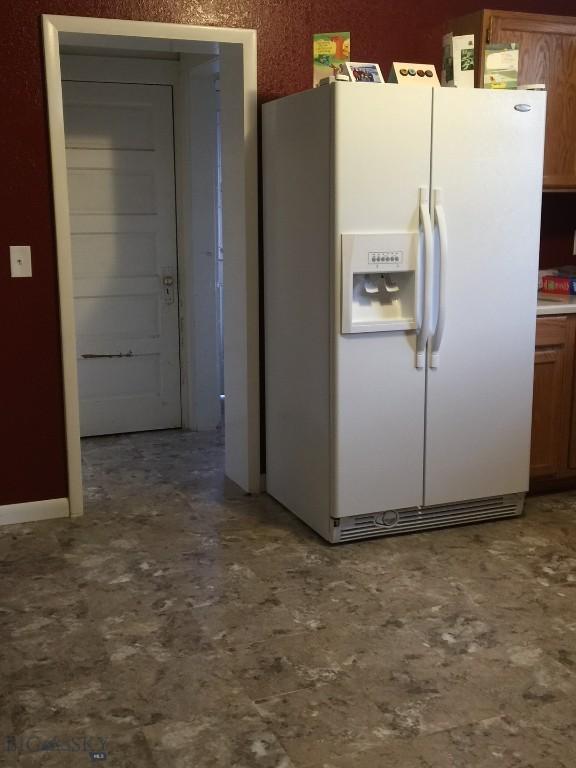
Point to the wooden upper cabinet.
(547, 55)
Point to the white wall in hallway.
(241, 296)
(199, 175)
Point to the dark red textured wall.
(33, 460)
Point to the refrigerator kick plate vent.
(393, 522)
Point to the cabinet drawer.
(552, 331)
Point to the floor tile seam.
(266, 640)
(508, 686)
(228, 583)
(374, 704)
(474, 723)
(295, 589)
(344, 675)
(284, 694)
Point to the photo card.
(363, 72)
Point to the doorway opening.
(141, 153)
(154, 180)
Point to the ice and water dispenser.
(380, 282)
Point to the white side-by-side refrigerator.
(401, 237)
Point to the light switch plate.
(20, 261)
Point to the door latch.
(168, 288)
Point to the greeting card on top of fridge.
(458, 60)
(501, 65)
(330, 51)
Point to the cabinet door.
(547, 55)
(552, 395)
(572, 445)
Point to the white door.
(487, 162)
(382, 159)
(120, 158)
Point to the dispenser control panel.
(389, 252)
(391, 258)
(380, 282)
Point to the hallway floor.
(189, 626)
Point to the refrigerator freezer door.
(487, 162)
(382, 158)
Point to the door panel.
(487, 160)
(382, 157)
(120, 157)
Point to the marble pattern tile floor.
(183, 624)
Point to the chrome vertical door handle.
(424, 293)
(440, 220)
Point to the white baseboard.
(32, 511)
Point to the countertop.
(564, 307)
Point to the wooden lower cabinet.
(553, 452)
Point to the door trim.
(245, 311)
(32, 511)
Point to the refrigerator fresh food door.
(382, 158)
(487, 172)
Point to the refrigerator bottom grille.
(398, 521)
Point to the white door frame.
(241, 309)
